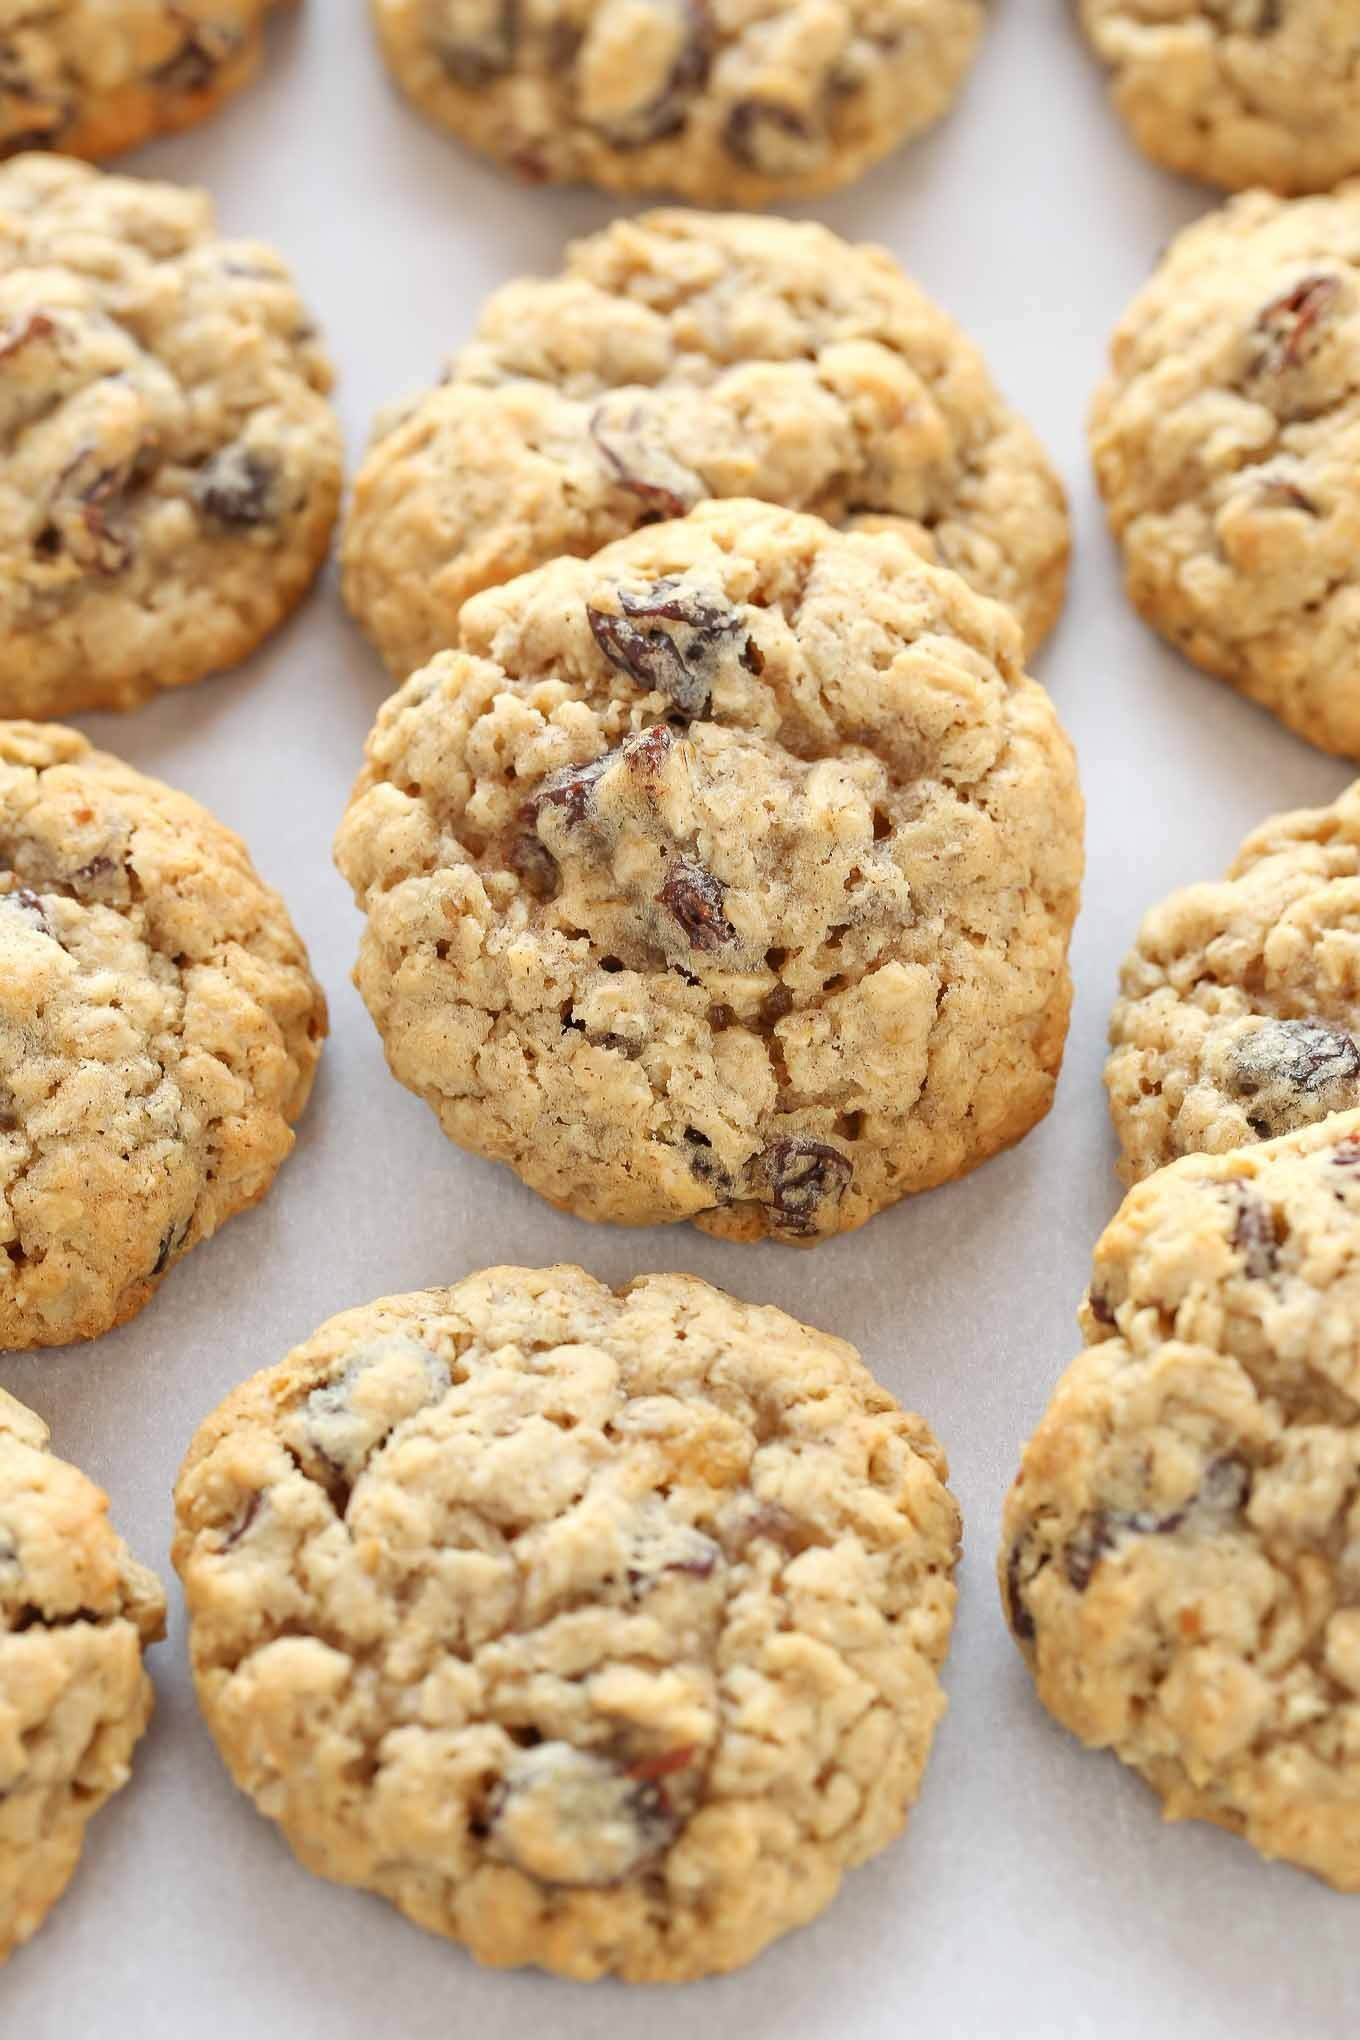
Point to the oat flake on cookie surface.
(169, 463)
(1226, 440)
(686, 355)
(734, 102)
(727, 875)
(1239, 1010)
(159, 1032)
(1180, 1560)
(595, 1629)
(76, 1613)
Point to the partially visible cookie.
(169, 464)
(76, 1613)
(1239, 1010)
(1237, 92)
(596, 1629)
(727, 875)
(94, 77)
(1226, 441)
(735, 102)
(1180, 1561)
(686, 355)
(159, 1031)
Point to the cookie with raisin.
(77, 1613)
(1238, 1017)
(1226, 440)
(726, 875)
(716, 102)
(1237, 92)
(169, 462)
(1180, 1558)
(596, 1629)
(159, 1032)
(688, 355)
(94, 77)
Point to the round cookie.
(93, 77)
(1180, 1561)
(1239, 1010)
(681, 356)
(1237, 92)
(76, 1613)
(596, 1629)
(169, 464)
(727, 875)
(1227, 447)
(159, 1031)
(721, 101)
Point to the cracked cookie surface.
(169, 463)
(738, 102)
(1226, 441)
(159, 1031)
(76, 1613)
(727, 875)
(1239, 1010)
(682, 356)
(1180, 1560)
(598, 1630)
(1237, 92)
(95, 77)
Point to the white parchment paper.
(1037, 1894)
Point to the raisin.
(1017, 1609)
(243, 1522)
(630, 437)
(695, 897)
(205, 46)
(1223, 1489)
(804, 1175)
(171, 1243)
(666, 111)
(570, 789)
(18, 335)
(237, 488)
(704, 1165)
(30, 909)
(569, 1817)
(476, 40)
(1253, 1232)
(534, 865)
(661, 1547)
(650, 1769)
(1274, 493)
(1226, 1484)
(678, 662)
(1100, 1306)
(1303, 1055)
(769, 138)
(1287, 327)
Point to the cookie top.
(599, 1630)
(159, 1030)
(727, 875)
(169, 464)
(717, 100)
(1181, 1552)
(93, 77)
(1237, 92)
(681, 356)
(76, 1611)
(1227, 446)
(1239, 1010)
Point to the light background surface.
(1036, 1894)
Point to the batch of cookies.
(717, 861)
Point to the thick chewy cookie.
(683, 356)
(1239, 1010)
(737, 102)
(93, 77)
(1181, 1551)
(727, 875)
(169, 464)
(599, 1630)
(1237, 92)
(76, 1612)
(159, 1030)
(1227, 447)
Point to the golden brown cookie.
(727, 875)
(598, 1630)
(159, 1031)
